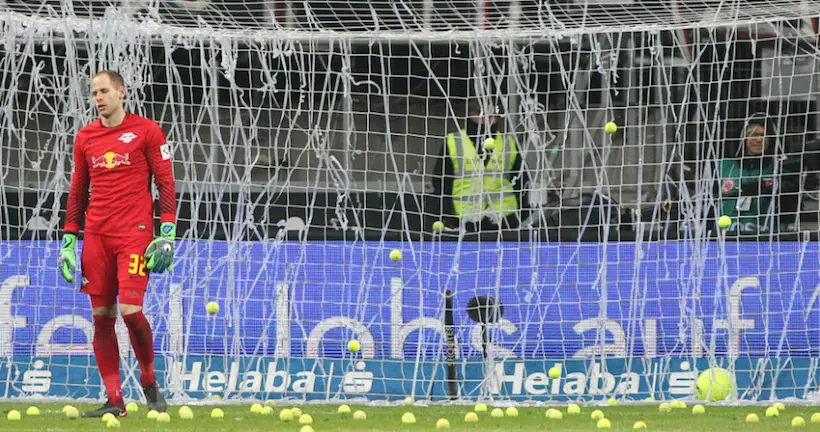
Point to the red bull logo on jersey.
(110, 160)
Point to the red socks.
(107, 353)
(143, 343)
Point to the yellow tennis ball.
(604, 424)
(164, 418)
(408, 400)
(471, 417)
(698, 409)
(639, 425)
(297, 412)
(752, 418)
(665, 407)
(305, 419)
(306, 428)
(72, 413)
(612, 402)
(108, 416)
(798, 421)
(497, 413)
(354, 346)
(480, 407)
(186, 413)
(815, 418)
(438, 226)
(512, 412)
(132, 408)
(286, 415)
(266, 411)
(597, 415)
(489, 144)
(772, 412)
(780, 406)
(408, 418)
(113, 424)
(554, 372)
(343, 409)
(14, 415)
(217, 413)
(256, 408)
(555, 415)
(714, 384)
(212, 308)
(359, 415)
(33, 411)
(611, 128)
(395, 255)
(724, 222)
(574, 409)
(443, 424)
(152, 415)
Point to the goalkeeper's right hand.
(68, 257)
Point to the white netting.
(309, 143)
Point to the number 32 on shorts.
(136, 264)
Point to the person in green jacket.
(749, 184)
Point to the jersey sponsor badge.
(165, 151)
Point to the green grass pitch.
(325, 418)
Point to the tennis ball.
(471, 417)
(186, 413)
(305, 419)
(65, 408)
(724, 222)
(216, 397)
(443, 424)
(217, 413)
(798, 421)
(359, 415)
(438, 226)
(408, 418)
(604, 424)
(395, 255)
(152, 415)
(574, 409)
(555, 415)
(815, 418)
(611, 128)
(480, 407)
(555, 372)
(14, 415)
(772, 412)
(408, 400)
(665, 407)
(286, 415)
(612, 402)
(256, 408)
(132, 408)
(639, 425)
(512, 412)
(354, 346)
(270, 403)
(113, 424)
(266, 411)
(677, 404)
(33, 411)
(343, 409)
(489, 144)
(106, 417)
(497, 413)
(297, 412)
(714, 384)
(72, 413)
(306, 428)
(780, 407)
(212, 308)
(752, 418)
(698, 409)
(597, 415)
(164, 418)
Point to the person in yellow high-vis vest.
(481, 189)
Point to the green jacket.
(746, 195)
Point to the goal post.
(308, 145)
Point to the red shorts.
(114, 266)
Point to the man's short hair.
(114, 76)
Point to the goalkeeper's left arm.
(160, 252)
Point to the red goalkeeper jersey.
(117, 164)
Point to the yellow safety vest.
(481, 190)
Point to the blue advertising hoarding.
(654, 309)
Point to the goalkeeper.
(115, 156)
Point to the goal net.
(342, 165)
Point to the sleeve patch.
(165, 150)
